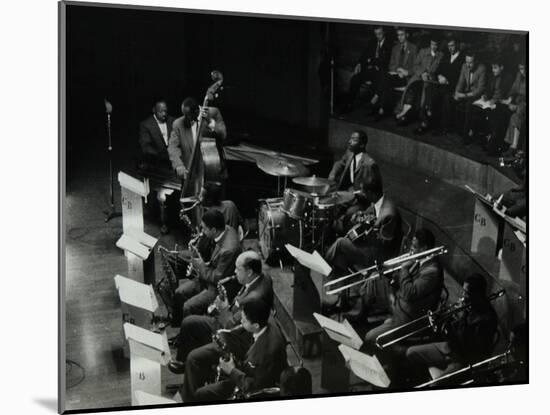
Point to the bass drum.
(275, 229)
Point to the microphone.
(108, 106)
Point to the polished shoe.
(177, 367)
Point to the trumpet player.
(469, 336)
(197, 330)
(195, 294)
(416, 289)
(261, 365)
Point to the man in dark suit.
(197, 330)
(185, 132)
(259, 367)
(381, 243)
(471, 85)
(399, 72)
(416, 290)
(195, 294)
(438, 105)
(469, 335)
(154, 133)
(373, 62)
(356, 166)
(425, 67)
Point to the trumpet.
(388, 267)
(430, 320)
(222, 294)
(473, 372)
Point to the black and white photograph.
(260, 207)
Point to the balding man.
(197, 330)
(154, 133)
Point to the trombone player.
(469, 336)
(416, 289)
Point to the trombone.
(387, 267)
(430, 320)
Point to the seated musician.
(378, 242)
(514, 201)
(469, 335)
(355, 166)
(416, 290)
(154, 133)
(195, 294)
(197, 330)
(210, 198)
(251, 368)
(184, 133)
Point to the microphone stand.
(111, 212)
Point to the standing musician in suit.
(356, 166)
(154, 134)
(195, 294)
(372, 63)
(257, 368)
(185, 132)
(381, 242)
(471, 85)
(197, 330)
(416, 289)
(399, 72)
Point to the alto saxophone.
(192, 246)
(225, 352)
(222, 294)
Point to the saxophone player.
(197, 330)
(262, 363)
(195, 294)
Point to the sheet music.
(313, 261)
(146, 337)
(340, 332)
(365, 366)
(136, 294)
(133, 184)
(128, 243)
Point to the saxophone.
(222, 294)
(225, 352)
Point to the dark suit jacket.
(498, 87)
(410, 56)
(478, 83)
(451, 70)
(366, 170)
(222, 262)
(153, 147)
(419, 291)
(180, 145)
(424, 62)
(261, 289)
(264, 362)
(369, 57)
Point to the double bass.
(209, 164)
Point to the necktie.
(401, 56)
(468, 80)
(352, 170)
(377, 54)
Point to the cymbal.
(281, 166)
(313, 181)
(336, 198)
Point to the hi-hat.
(281, 166)
(313, 181)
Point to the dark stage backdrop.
(132, 57)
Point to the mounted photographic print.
(261, 207)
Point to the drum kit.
(302, 215)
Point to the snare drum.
(275, 228)
(323, 212)
(296, 204)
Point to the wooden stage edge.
(426, 158)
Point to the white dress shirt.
(163, 129)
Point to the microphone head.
(108, 106)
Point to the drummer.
(356, 166)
